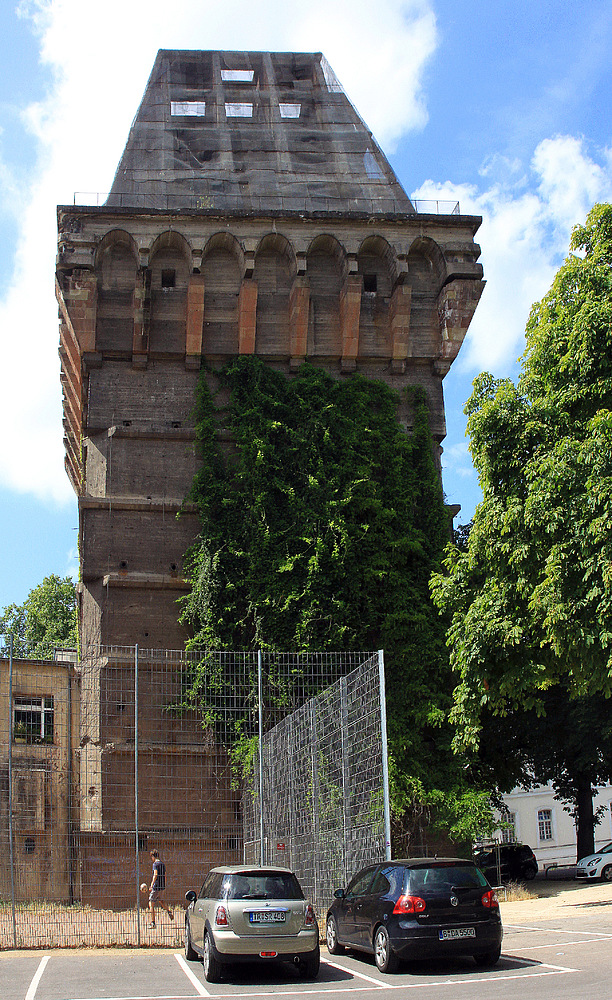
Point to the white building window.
(237, 75)
(508, 833)
(190, 108)
(239, 110)
(33, 720)
(545, 830)
(290, 110)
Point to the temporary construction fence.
(207, 757)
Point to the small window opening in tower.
(235, 110)
(189, 108)
(369, 282)
(237, 75)
(168, 278)
(290, 110)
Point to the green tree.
(530, 601)
(46, 619)
(319, 532)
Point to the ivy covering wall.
(322, 520)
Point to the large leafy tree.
(47, 619)
(320, 527)
(530, 601)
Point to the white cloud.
(456, 458)
(99, 58)
(524, 238)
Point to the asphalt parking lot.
(556, 946)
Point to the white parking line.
(37, 977)
(193, 979)
(552, 930)
(353, 972)
(562, 944)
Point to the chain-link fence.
(128, 751)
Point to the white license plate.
(457, 932)
(266, 917)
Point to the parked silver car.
(245, 913)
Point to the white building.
(536, 818)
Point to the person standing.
(157, 887)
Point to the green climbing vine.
(322, 520)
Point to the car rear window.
(259, 885)
(437, 876)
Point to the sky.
(503, 106)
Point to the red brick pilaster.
(350, 310)
(247, 316)
(399, 318)
(195, 320)
(299, 305)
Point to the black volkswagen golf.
(417, 908)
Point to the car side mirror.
(339, 893)
(191, 896)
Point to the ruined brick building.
(252, 212)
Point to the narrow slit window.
(168, 278)
(369, 283)
(237, 75)
(236, 110)
(290, 110)
(195, 109)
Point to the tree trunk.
(585, 836)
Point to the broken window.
(236, 110)
(33, 720)
(189, 108)
(290, 110)
(237, 75)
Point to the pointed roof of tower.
(252, 131)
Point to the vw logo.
(454, 900)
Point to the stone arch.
(426, 270)
(274, 273)
(116, 268)
(377, 266)
(326, 269)
(169, 269)
(222, 269)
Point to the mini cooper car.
(245, 913)
(417, 908)
(598, 865)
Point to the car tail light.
(490, 900)
(310, 917)
(221, 917)
(409, 904)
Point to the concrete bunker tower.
(252, 212)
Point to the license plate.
(266, 917)
(457, 932)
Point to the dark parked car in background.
(417, 908)
(246, 913)
(507, 863)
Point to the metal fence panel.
(129, 750)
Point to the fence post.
(316, 846)
(136, 836)
(10, 790)
(346, 783)
(385, 761)
(260, 713)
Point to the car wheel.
(309, 964)
(190, 954)
(385, 958)
(488, 958)
(212, 965)
(606, 874)
(530, 872)
(331, 937)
